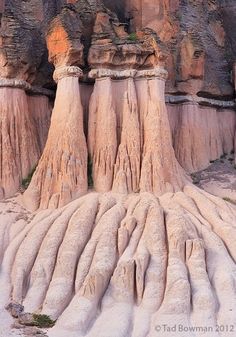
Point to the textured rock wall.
(143, 159)
(24, 71)
(23, 131)
(199, 37)
(201, 134)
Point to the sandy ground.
(219, 178)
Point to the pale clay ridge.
(125, 265)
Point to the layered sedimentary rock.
(63, 39)
(24, 125)
(61, 174)
(148, 261)
(200, 39)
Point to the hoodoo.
(160, 171)
(61, 174)
(112, 237)
(127, 166)
(102, 132)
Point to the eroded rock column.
(129, 135)
(128, 160)
(102, 132)
(160, 170)
(19, 150)
(114, 131)
(62, 171)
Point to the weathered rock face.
(63, 39)
(144, 158)
(18, 155)
(40, 109)
(201, 134)
(200, 39)
(103, 135)
(113, 48)
(56, 182)
(22, 44)
(128, 160)
(24, 125)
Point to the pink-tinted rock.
(40, 109)
(160, 171)
(127, 166)
(18, 141)
(102, 134)
(201, 134)
(61, 174)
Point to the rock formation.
(146, 116)
(144, 159)
(128, 158)
(199, 37)
(61, 174)
(18, 155)
(40, 109)
(201, 134)
(103, 140)
(23, 117)
(160, 171)
(21, 135)
(111, 237)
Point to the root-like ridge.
(132, 265)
